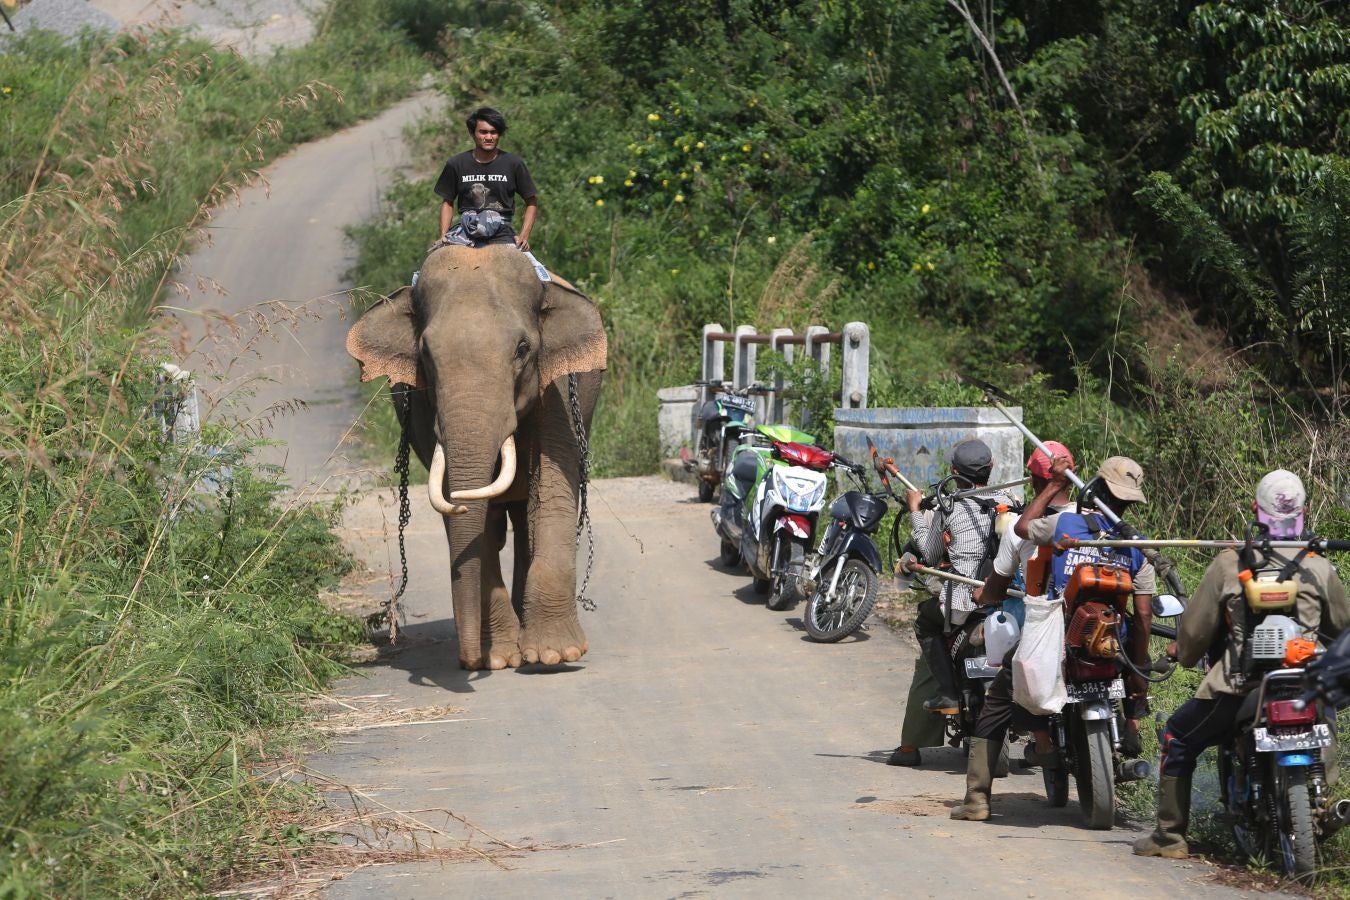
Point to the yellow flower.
(599, 201)
(632, 173)
(764, 156)
(699, 145)
(931, 267)
(723, 157)
(754, 101)
(628, 182)
(653, 117)
(916, 267)
(675, 143)
(745, 148)
(771, 240)
(684, 176)
(871, 265)
(599, 179)
(674, 271)
(665, 182)
(679, 198)
(924, 209)
(6, 90)
(698, 167)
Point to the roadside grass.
(160, 620)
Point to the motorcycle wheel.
(731, 554)
(1056, 786)
(706, 489)
(1001, 766)
(856, 595)
(1298, 842)
(787, 555)
(1095, 773)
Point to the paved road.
(702, 747)
(269, 328)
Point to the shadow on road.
(427, 652)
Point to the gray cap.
(971, 456)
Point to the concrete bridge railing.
(680, 405)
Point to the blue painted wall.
(919, 438)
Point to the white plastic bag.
(1038, 670)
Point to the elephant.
(485, 350)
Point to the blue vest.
(1075, 525)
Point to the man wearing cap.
(1209, 718)
(999, 711)
(1119, 484)
(964, 538)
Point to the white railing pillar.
(855, 348)
(714, 362)
(778, 406)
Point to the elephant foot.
(552, 645)
(503, 658)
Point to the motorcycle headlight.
(801, 493)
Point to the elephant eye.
(522, 349)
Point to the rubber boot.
(1168, 839)
(979, 780)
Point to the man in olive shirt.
(1209, 719)
(482, 184)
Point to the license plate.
(976, 668)
(1097, 690)
(744, 404)
(1302, 739)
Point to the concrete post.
(816, 349)
(743, 366)
(853, 360)
(819, 352)
(778, 407)
(714, 362)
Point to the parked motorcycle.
(844, 574)
(748, 463)
(781, 520)
(727, 416)
(1272, 780)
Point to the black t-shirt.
(467, 184)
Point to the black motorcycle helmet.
(972, 460)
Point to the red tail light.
(804, 455)
(1283, 712)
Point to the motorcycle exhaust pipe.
(1338, 816)
(1134, 770)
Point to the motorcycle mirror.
(1165, 606)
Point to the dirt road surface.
(702, 748)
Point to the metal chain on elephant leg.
(583, 480)
(392, 612)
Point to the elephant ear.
(384, 341)
(572, 334)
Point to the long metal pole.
(950, 576)
(1315, 544)
(987, 489)
(1106, 511)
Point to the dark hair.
(489, 115)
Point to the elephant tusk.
(435, 485)
(504, 479)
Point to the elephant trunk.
(453, 506)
